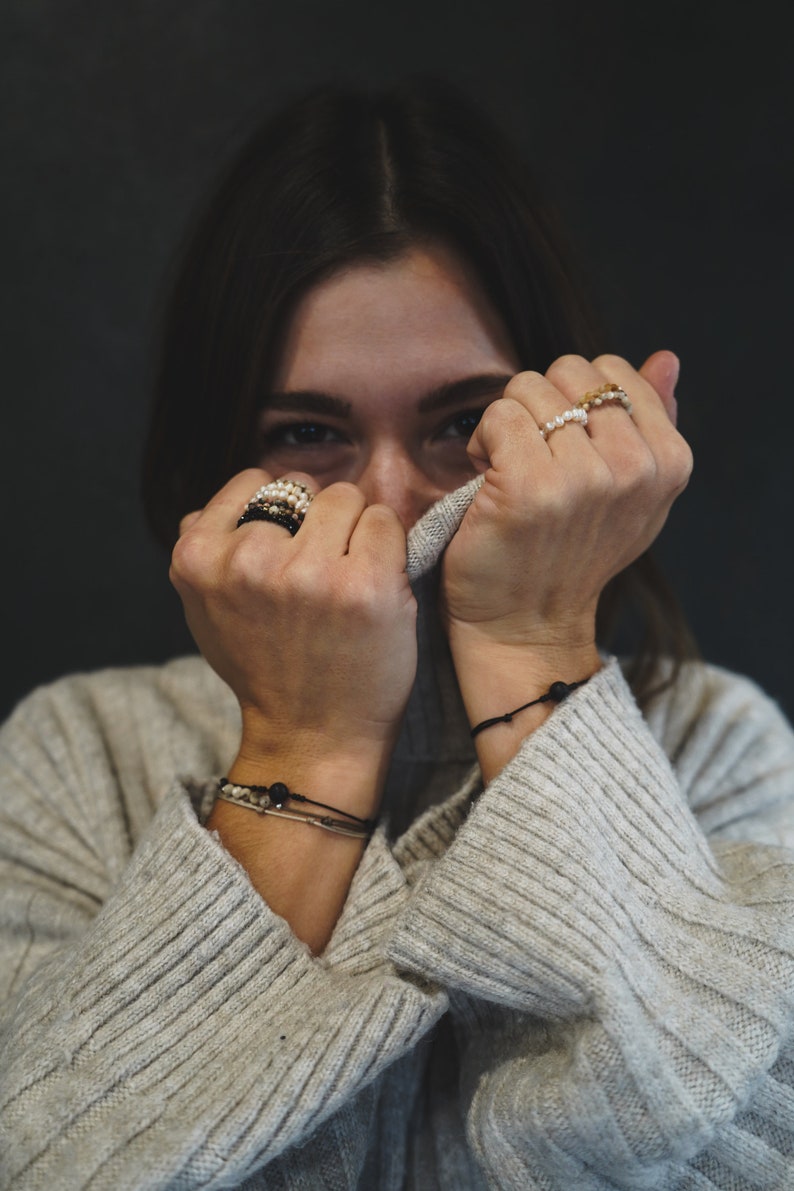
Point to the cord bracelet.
(555, 694)
(271, 800)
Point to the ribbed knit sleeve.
(623, 986)
(162, 1027)
(581, 980)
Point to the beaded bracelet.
(555, 694)
(270, 800)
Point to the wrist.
(495, 676)
(350, 776)
(496, 679)
(291, 732)
(280, 801)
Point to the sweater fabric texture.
(578, 979)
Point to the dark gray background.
(663, 132)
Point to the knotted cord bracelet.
(555, 694)
(337, 826)
(271, 800)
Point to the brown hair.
(344, 176)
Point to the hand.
(314, 634)
(556, 519)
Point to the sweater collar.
(434, 749)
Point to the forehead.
(422, 317)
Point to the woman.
(563, 957)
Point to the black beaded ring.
(283, 502)
(274, 514)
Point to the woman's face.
(384, 373)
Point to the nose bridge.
(391, 476)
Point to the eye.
(462, 425)
(300, 434)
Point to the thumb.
(661, 371)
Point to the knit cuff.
(582, 891)
(189, 1031)
(433, 532)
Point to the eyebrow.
(441, 397)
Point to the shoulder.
(135, 726)
(732, 750)
(184, 687)
(711, 702)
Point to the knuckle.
(565, 365)
(644, 466)
(251, 478)
(685, 461)
(190, 559)
(521, 383)
(559, 495)
(188, 520)
(345, 488)
(492, 419)
(676, 462)
(636, 470)
(372, 601)
(527, 376)
(600, 481)
(342, 492)
(381, 518)
(502, 414)
(303, 579)
(246, 561)
(609, 361)
(363, 597)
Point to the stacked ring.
(608, 392)
(282, 501)
(568, 416)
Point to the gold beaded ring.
(603, 396)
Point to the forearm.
(170, 1038)
(303, 872)
(582, 892)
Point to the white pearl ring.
(282, 501)
(596, 397)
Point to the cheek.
(448, 465)
(325, 464)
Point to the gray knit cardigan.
(581, 977)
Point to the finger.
(331, 518)
(650, 416)
(379, 540)
(553, 407)
(649, 411)
(221, 512)
(505, 437)
(509, 431)
(227, 506)
(639, 441)
(661, 371)
(576, 380)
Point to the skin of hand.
(554, 520)
(316, 636)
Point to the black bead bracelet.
(278, 794)
(555, 694)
